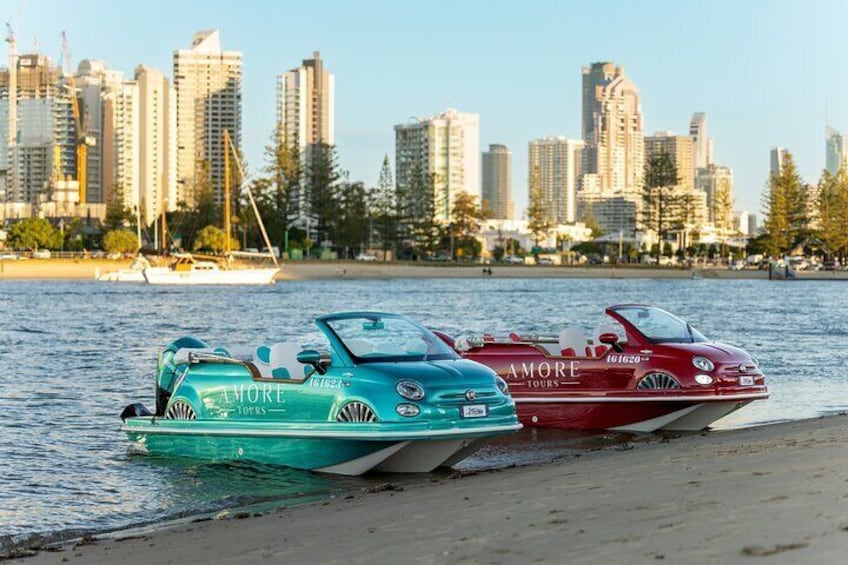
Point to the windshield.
(659, 326)
(385, 338)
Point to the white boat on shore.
(186, 270)
(135, 272)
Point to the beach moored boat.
(387, 394)
(643, 370)
(186, 270)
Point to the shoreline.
(88, 269)
(709, 497)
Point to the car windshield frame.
(386, 338)
(636, 316)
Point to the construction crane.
(83, 141)
(12, 138)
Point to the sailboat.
(186, 269)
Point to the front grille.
(180, 410)
(356, 412)
(658, 381)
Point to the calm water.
(73, 354)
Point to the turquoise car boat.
(386, 394)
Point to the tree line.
(307, 204)
(799, 216)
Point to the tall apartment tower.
(690, 205)
(497, 182)
(836, 150)
(97, 88)
(157, 144)
(207, 81)
(44, 147)
(682, 150)
(554, 164)
(777, 155)
(445, 147)
(120, 145)
(703, 145)
(306, 104)
(109, 113)
(612, 130)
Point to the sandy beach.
(772, 494)
(82, 269)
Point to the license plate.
(746, 381)
(475, 411)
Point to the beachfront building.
(207, 81)
(305, 105)
(157, 144)
(96, 84)
(554, 165)
(444, 151)
(686, 206)
(836, 150)
(40, 136)
(497, 182)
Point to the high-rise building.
(305, 104)
(554, 164)
(703, 146)
(445, 149)
(207, 81)
(95, 86)
(681, 148)
(612, 130)
(497, 182)
(119, 138)
(686, 204)
(716, 182)
(777, 156)
(44, 148)
(836, 150)
(157, 144)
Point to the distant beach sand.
(776, 491)
(81, 269)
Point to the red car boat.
(644, 370)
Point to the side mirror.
(611, 339)
(312, 357)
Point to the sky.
(767, 73)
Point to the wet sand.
(88, 269)
(771, 494)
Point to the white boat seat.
(284, 363)
(573, 343)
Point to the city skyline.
(742, 65)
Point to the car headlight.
(407, 410)
(703, 363)
(703, 379)
(410, 390)
(502, 386)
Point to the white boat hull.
(197, 277)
